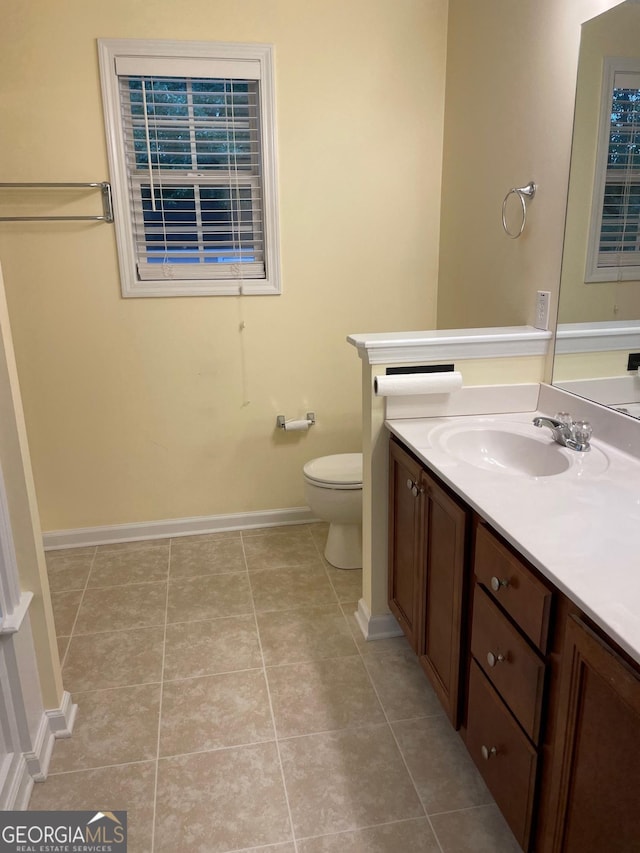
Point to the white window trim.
(593, 272)
(109, 50)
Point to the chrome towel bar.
(103, 186)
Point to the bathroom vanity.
(507, 584)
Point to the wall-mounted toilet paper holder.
(305, 423)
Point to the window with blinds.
(192, 154)
(614, 249)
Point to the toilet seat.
(339, 471)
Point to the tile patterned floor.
(228, 702)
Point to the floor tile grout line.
(312, 660)
(265, 847)
(210, 574)
(248, 616)
(117, 687)
(214, 674)
(75, 621)
(167, 757)
(57, 773)
(492, 804)
(173, 579)
(216, 749)
(314, 567)
(271, 711)
(355, 727)
(324, 566)
(362, 828)
(404, 760)
(127, 585)
(146, 627)
(157, 761)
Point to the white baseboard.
(170, 527)
(32, 766)
(62, 719)
(55, 724)
(380, 627)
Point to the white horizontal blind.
(619, 239)
(194, 163)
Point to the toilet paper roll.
(293, 425)
(409, 384)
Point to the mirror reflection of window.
(614, 245)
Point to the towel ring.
(523, 193)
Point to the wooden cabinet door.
(406, 513)
(444, 543)
(595, 785)
(503, 754)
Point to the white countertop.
(580, 529)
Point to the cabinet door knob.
(496, 583)
(492, 659)
(487, 752)
(414, 488)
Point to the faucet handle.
(564, 418)
(582, 432)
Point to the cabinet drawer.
(513, 585)
(514, 669)
(502, 753)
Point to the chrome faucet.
(567, 432)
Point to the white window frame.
(220, 55)
(595, 271)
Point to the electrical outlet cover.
(543, 302)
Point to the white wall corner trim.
(32, 765)
(380, 627)
(11, 623)
(16, 783)
(172, 527)
(55, 723)
(62, 719)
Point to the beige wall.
(160, 408)
(614, 34)
(590, 365)
(511, 74)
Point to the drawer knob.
(496, 583)
(492, 659)
(487, 752)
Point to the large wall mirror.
(598, 331)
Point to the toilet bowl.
(333, 491)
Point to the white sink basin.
(507, 451)
(513, 448)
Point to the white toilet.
(333, 491)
